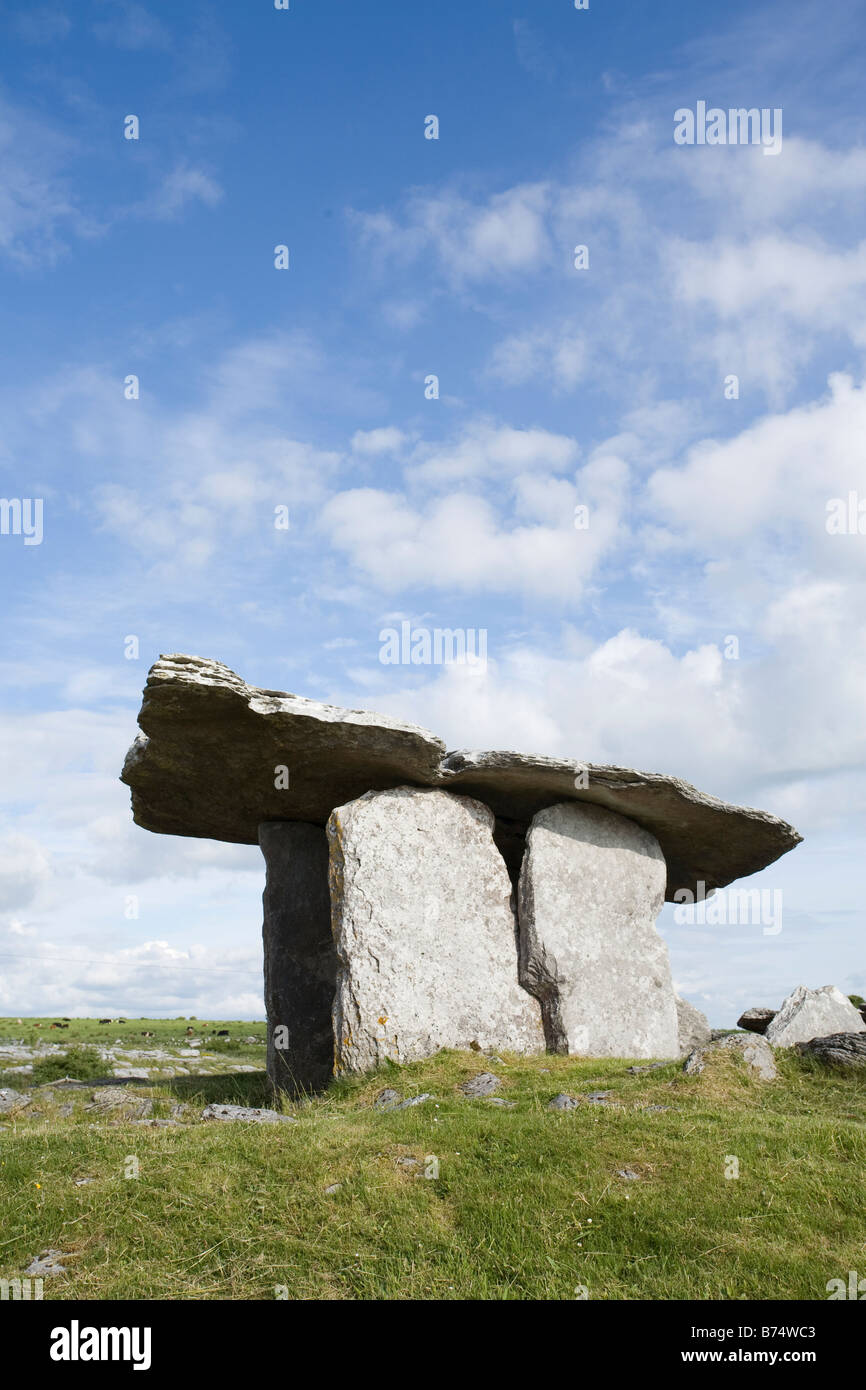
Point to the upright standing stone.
(300, 962)
(591, 887)
(424, 929)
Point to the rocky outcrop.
(299, 957)
(813, 1013)
(844, 1050)
(424, 931)
(755, 1051)
(756, 1020)
(693, 1029)
(217, 757)
(591, 887)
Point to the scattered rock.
(813, 1013)
(415, 1100)
(387, 1099)
(755, 1050)
(83, 1182)
(651, 1066)
(409, 1163)
(47, 1265)
(501, 1102)
(563, 1102)
(591, 886)
(756, 1020)
(424, 931)
(693, 1029)
(111, 1098)
(12, 1100)
(628, 1174)
(334, 1187)
(836, 1049)
(482, 1085)
(249, 1114)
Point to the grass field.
(525, 1203)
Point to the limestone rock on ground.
(755, 1050)
(247, 1114)
(47, 1265)
(813, 1013)
(563, 1102)
(484, 1084)
(843, 1050)
(756, 1020)
(692, 1027)
(299, 958)
(424, 931)
(591, 887)
(12, 1100)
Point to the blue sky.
(559, 387)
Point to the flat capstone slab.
(217, 757)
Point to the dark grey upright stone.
(300, 961)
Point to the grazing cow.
(147, 1035)
(105, 1020)
(223, 1033)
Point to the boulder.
(299, 957)
(813, 1013)
(591, 887)
(693, 1029)
(208, 763)
(756, 1053)
(756, 1020)
(424, 931)
(837, 1049)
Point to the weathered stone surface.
(206, 764)
(252, 1115)
(756, 1020)
(299, 957)
(813, 1013)
(693, 1030)
(47, 1265)
(424, 931)
(12, 1100)
(702, 838)
(837, 1049)
(484, 1084)
(591, 887)
(755, 1050)
(563, 1102)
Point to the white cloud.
(505, 234)
(386, 440)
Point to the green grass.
(166, 1031)
(527, 1203)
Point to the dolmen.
(417, 898)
